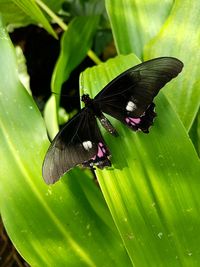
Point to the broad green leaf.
(135, 22)
(180, 37)
(17, 17)
(153, 189)
(30, 8)
(13, 14)
(75, 43)
(50, 226)
(50, 117)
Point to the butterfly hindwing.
(129, 96)
(77, 143)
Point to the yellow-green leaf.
(180, 37)
(30, 8)
(135, 22)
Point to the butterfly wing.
(77, 143)
(129, 96)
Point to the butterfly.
(128, 98)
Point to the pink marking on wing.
(133, 121)
(103, 150)
(100, 153)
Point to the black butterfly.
(128, 98)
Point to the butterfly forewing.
(75, 144)
(138, 85)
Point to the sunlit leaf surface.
(135, 22)
(153, 188)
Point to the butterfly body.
(90, 104)
(128, 98)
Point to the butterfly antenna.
(54, 93)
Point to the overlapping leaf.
(31, 9)
(180, 37)
(135, 22)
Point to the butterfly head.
(85, 98)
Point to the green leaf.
(153, 189)
(22, 69)
(135, 22)
(75, 43)
(180, 37)
(17, 17)
(54, 5)
(84, 8)
(50, 226)
(30, 8)
(50, 117)
(13, 14)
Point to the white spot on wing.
(87, 145)
(131, 106)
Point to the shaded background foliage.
(148, 212)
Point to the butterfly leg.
(107, 125)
